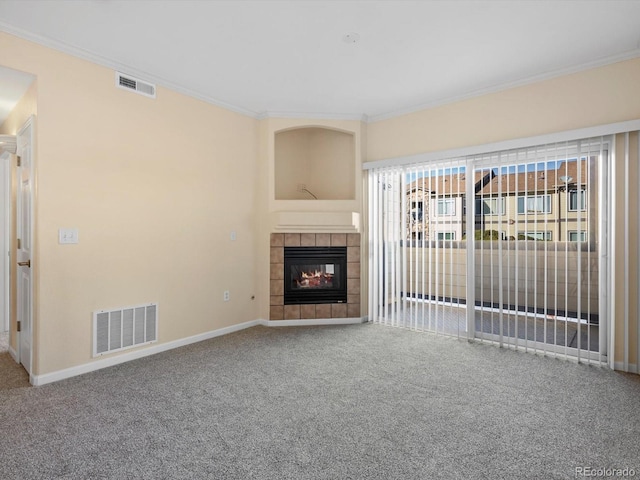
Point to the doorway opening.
(17, 107)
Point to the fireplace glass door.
(315, 275)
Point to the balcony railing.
(557, 279)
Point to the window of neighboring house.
(446, 235)
(575, 236)
(490, 206)
(446, 207)
(535, 235)
(416, 211)
(534, 204)
(577, 200)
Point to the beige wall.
(594, 97)
(599, 96)
(154, 186)
(291, 164)
(331, 166)
(25, 108)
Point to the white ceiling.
(282, 57)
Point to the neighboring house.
(436, 205)
(546, 204)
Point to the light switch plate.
(67, 236)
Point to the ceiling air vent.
(127, 82)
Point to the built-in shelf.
(314, 163)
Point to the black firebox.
(315, 275)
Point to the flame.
(314, 279)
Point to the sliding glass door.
(537, 255)
(505, 247)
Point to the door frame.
(5, 241)
(28, 124)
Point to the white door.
(24, 217)
(5, 188)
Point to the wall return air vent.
(127, 82)
(123, 328)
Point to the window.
(535, 236)
(577, 200)
(446, 235)
(534, 204)
(505, 280)
(446, 207)
(416, 211)
(575, 236)
(490, 206)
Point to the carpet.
(332, 402)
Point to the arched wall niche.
(314, 163)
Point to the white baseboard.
(619, 366)
(116, 359)
(38, 380)
(13, 354)
(315, 321)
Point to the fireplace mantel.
(334, 222)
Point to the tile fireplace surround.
(280, 311)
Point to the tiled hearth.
(280, 311)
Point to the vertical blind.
(625, 230)
(508, 247)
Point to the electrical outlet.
(226, 296)
(233, 236)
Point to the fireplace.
(315, 275)
(325, 308)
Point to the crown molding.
(601, 62)
(121, 67)
(360, 117)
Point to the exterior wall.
(154, 186)
(557, 223)
(447, 224)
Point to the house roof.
(453, 184)
(488, 182)
(538, 181)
